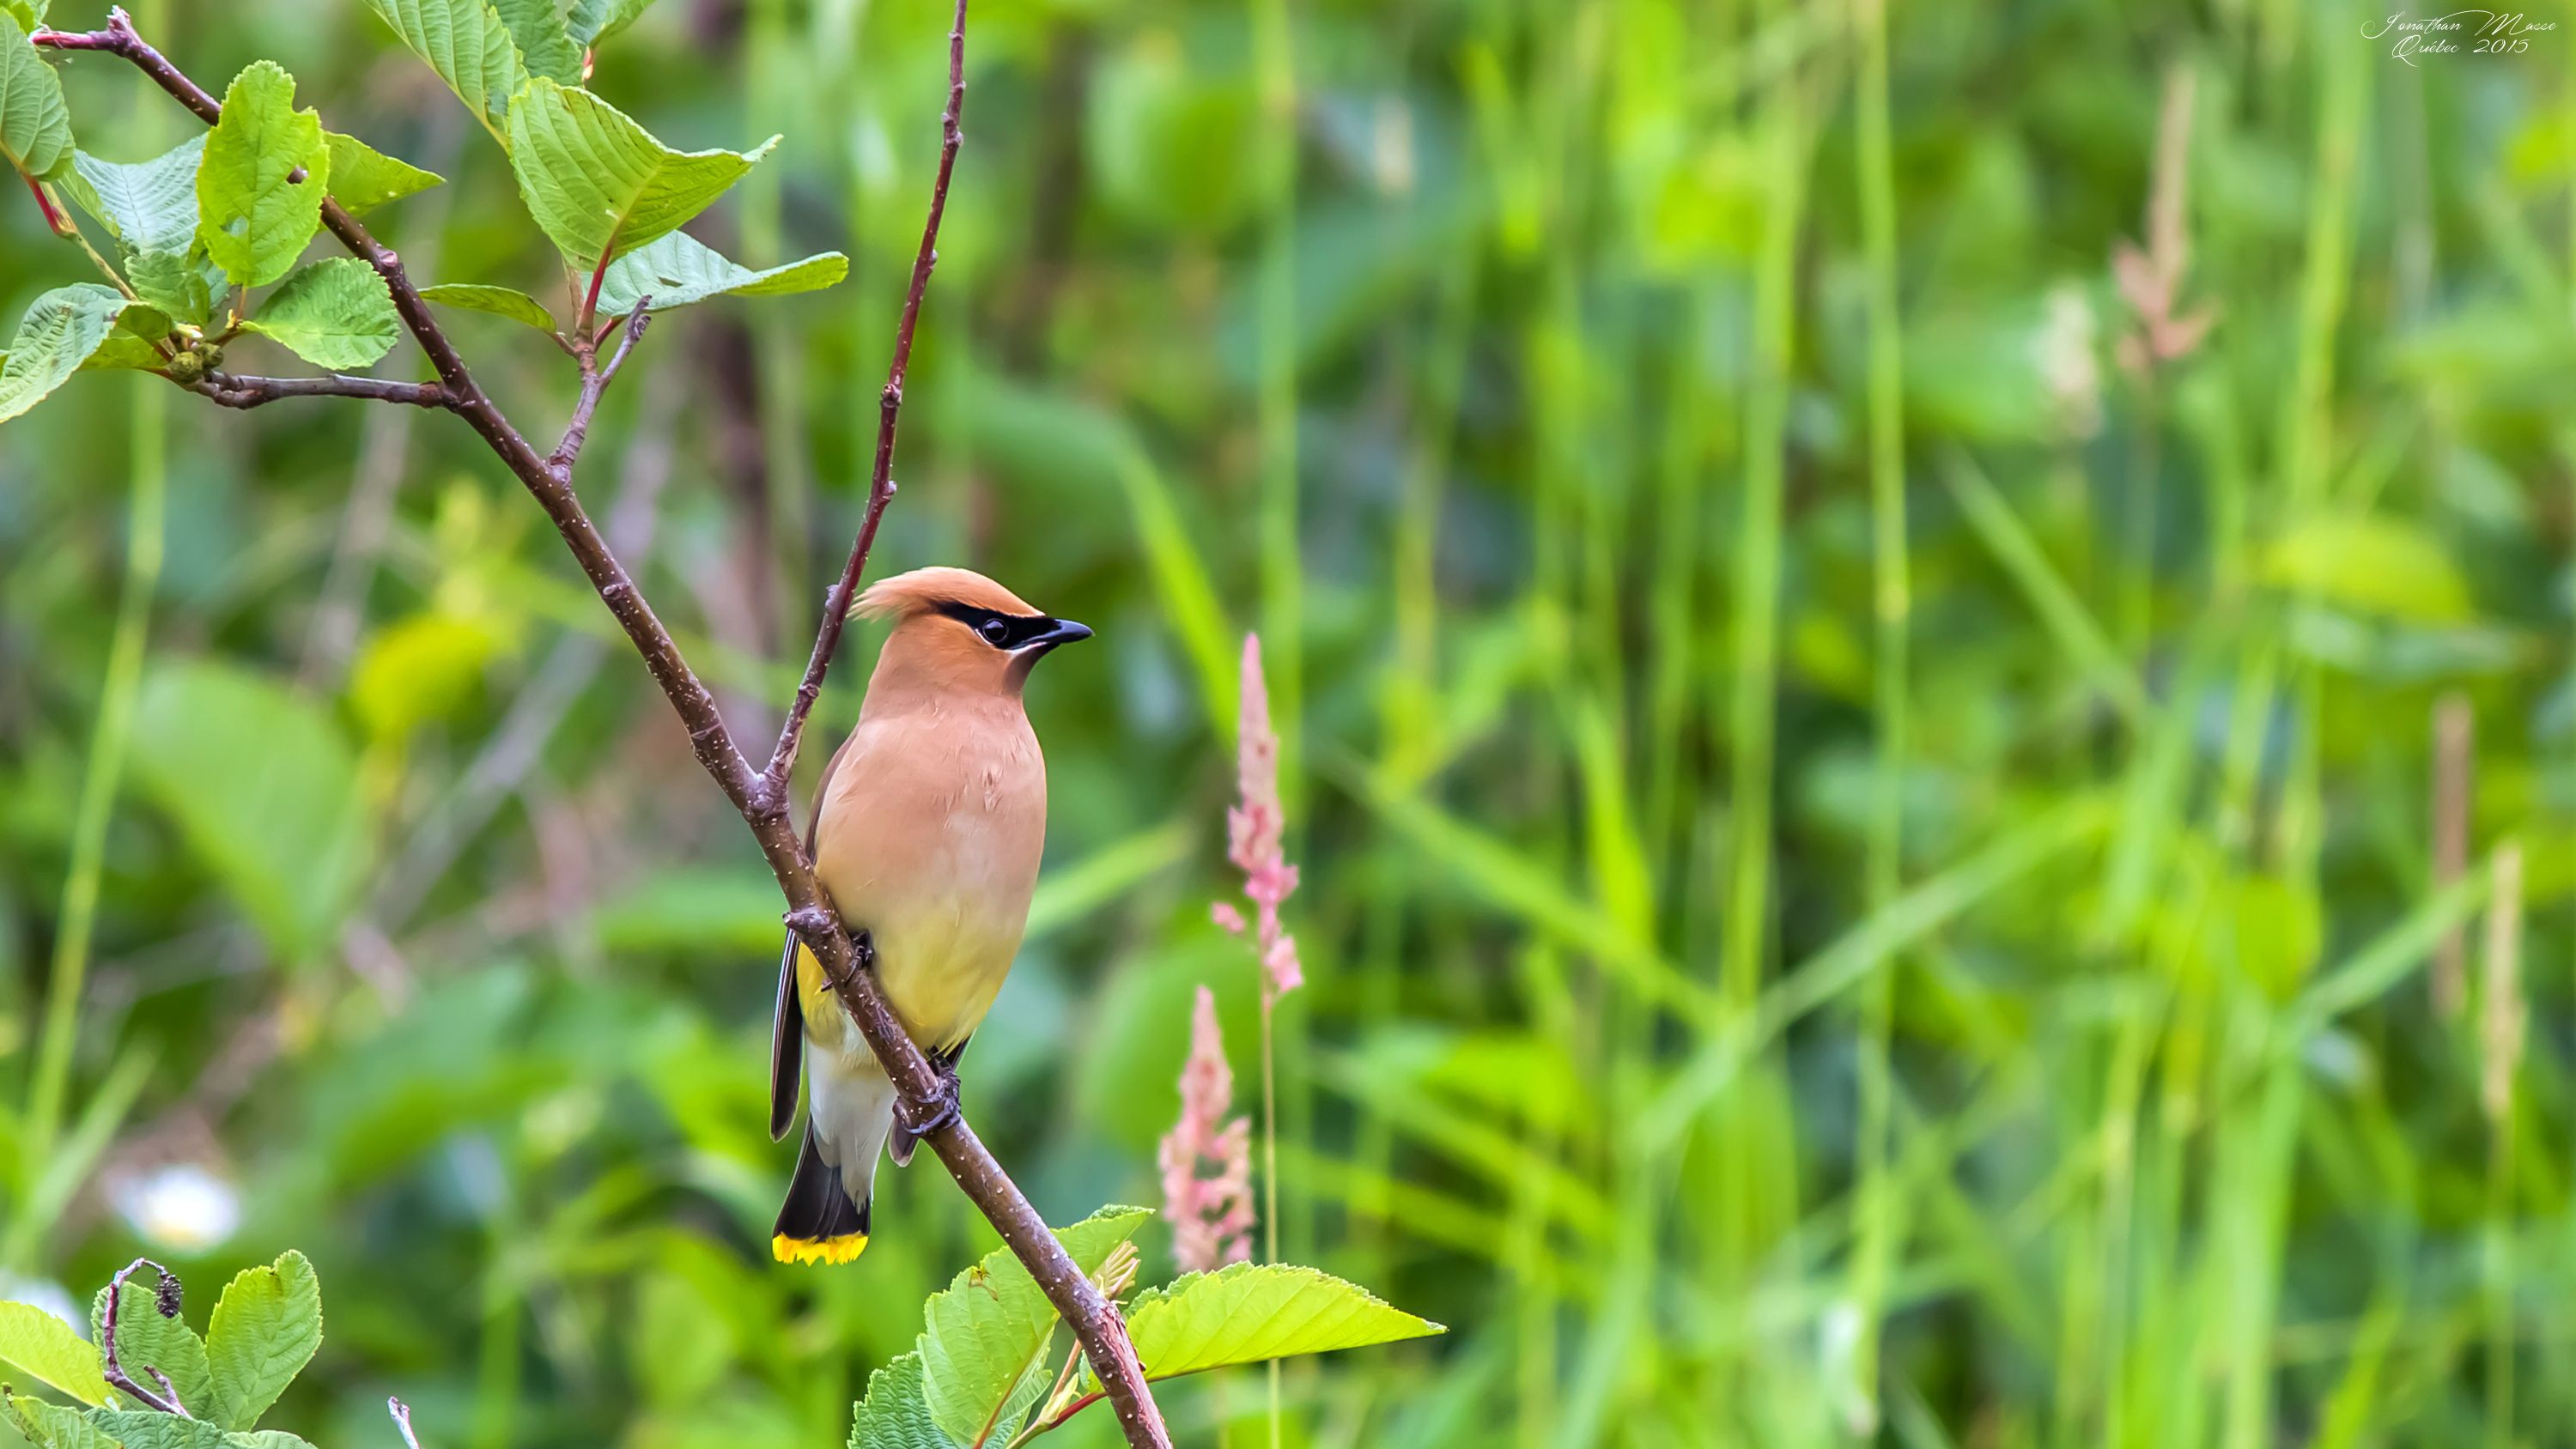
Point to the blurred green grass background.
(1879, 861)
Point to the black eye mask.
(1002, 631)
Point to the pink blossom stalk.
(1211, 1215)
(1254, 829)
(1253, 832)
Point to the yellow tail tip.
(843, 1249)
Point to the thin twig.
(762, 805)
(167, 1298)
(594, 383)
(402, 1421)
(236, 391)
(836, 604)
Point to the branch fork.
(759, 796)
(166, 1299)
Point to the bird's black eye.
(994, 632)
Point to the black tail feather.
(819, 1222)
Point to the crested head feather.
(918, 592)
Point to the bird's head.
(958, 632)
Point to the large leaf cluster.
(196, 229)
(982, 1365)
(266, 1327)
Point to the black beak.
(1064, 631)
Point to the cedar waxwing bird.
(925, 835)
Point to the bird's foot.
(919, 1118)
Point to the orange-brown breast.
(929, 839)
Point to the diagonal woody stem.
(761, 803)
(836, 604)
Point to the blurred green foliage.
(2127, 1056)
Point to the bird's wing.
(787, 1022)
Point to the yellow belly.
(940, 975)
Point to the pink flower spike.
(1256, 827)
(1224, 913)
(1211, 1216)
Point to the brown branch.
(836, 604)
(762, 804)
(594, 382)
(235, 391)
(167, 1300)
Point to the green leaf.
(36, 1342)
(894, 1415)
(267, 1439)
(145, 1339)
(55, 1426)
(499, 301)
(545, 47)
(151, 206)
(61, 329)
(598, 183)
(364, 178)
(28, 13)
(1254, 1312)
(593, 21)
(35, 125)
(264, 1331)
(333, 313)
(679, 270)
(253, 220)
(265, 788)
(183, 284)
(121, 352)
(2373, 565)
(468, 44)
(992, 1319)
(152, 1429)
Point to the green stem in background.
(1883, 873)
(1270, 1164)
(148, 467)
(1282, 598)
(2255, 1197)
(1282, 601)
(1757, 556)
(2500, 1051)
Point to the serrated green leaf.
(253, 220)
(331, 313)
(55, 1426)
(364, 178)
(545, 47)
(469, 45)
(894, 1414)
(38, 1343)
(1255, 1312)
(980, 1333)
(499, 301)
(184, 285)
(679, 270)
(145, 1339)
(265, 1329)
(267, 1439)
(593, 21)
(60, 331)
(152, 1429)
(598, 183)
(35, 125)
(150, 206)
(28, 13)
